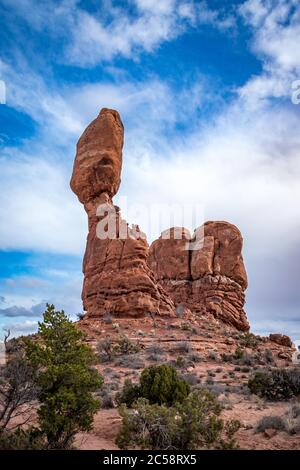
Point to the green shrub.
(192, 424)
(129, 394)
(249, 340)
(277, 384)
(127, 346)
(66, 379)
(19, 439)
(161, 384)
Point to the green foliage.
(127, 346)
(66, 379)
(158, 384)
(192, 424)
(19, 439)
(129, 394)
(161, 384)
(249, 340)
(107, 350)
(277, 384)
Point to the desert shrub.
(184, 347)
(295, 410)
(186, 326)
(20, 439)
(192, 424)
(268, 356)
(212, 355)
(239, 353)
(126, 346)
(14, 345)
(249, 340)
(194, 357)
(80, 316)
(105, 350)
(210, 380)
(18, 387)
(107, 319)
(191, 379)
(155, 349)
(161, 384)
(226, 357)
(65, 377)
(106, 397)
(132, 361)
(155, 358)
(179, 363)
(277, 384)
(129, 394)
(271, 422)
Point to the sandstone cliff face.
(117, 277)
(204, 273)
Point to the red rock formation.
(117, 278)
(280, 339)
(205, 273)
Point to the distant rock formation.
(204, 273)
(117, 278)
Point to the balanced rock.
(117, 277)
(204, 273)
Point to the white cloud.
(276, 36)
(112, 31)
(41, 213)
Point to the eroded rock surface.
(117, 277)
(204, 273)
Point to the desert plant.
(107, 319)
(106, 398)
(212, 355)
(195, 357)
(161, 384)
(133, 361)
(20, 439)
(129, 394)
(66, 378)
(105, 350)
(192, 424)
(268, 356)
(126, 346)
(155, 349)
(271, 422)
(184, 347)
(249, 340)
(277, 384)
(17, 388)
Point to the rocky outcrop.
(280, 339)
(204, 273)
(117, 277)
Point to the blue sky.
(204, 90)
